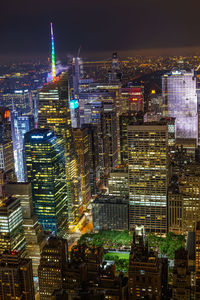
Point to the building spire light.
(53, 63)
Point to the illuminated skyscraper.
(81, 138)
(126, 119)
(109, 123)
(34, 235)
(118, 182)
(52, 265)
(184, 200)
(54, 114)
(17, 100)
(180, 102)
(93, 97)
(148, 176)
(74, 111)
(45, 162)
(76, 74)
(197, 255)
(93, 132)
(132, 98)
(11, 225)
(6, 144)
(21, 125)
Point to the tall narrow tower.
(53, 63)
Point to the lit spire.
(53, 63)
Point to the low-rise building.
(110, 213)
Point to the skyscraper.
(52, 265)
(81, 138)
(118, 182)
(115, 74)
(110, 213)
(46, 170)
(197, 258)
(76, 75)
(148, 176)
(93, 131)
(34, 234)
(16, 277)
(21, 125)
(125, 119)
(184, 200)
(109, 123)
(180, 102)
(17, 100)
(54, 114)
(11, 225)
(132, 98)
(147, 278)
(6, 144)
(181, 276)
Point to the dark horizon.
(99, 27)
(43, 57)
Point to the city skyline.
(100, 151)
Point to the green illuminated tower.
(53, 65)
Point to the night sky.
(98, 26)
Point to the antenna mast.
(53, 62)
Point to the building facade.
(6, 144)
(51, 269)
(16, 277)
(148, 176)
(81, 139)
(11, 226)
(110, 213)
(181, 276)
(54, 114)
(180, 102)
(147, 275)
(46, 170)
(118, 182)
(34, 234)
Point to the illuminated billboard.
(74, 104)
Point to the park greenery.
(166, 245)
(109, 239)
(121, 260)
(122, 239)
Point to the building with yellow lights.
(81, 138)
(45, 162)
(11, 225)
(148, 176)
(34, 235)
(54, 114)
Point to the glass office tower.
(46, 170)
(180, 102)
